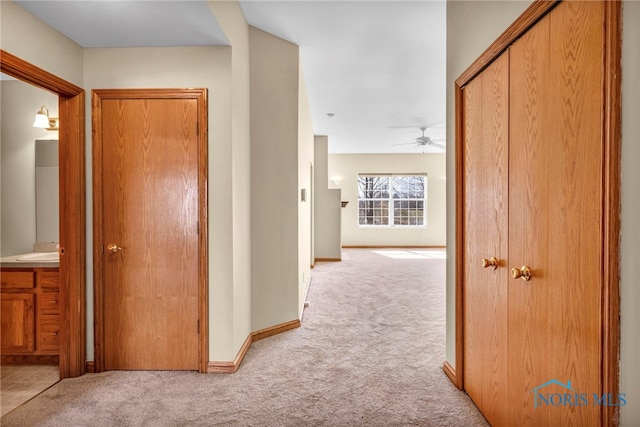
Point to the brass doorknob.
(113, 248)
(523, 273)
(491, 262)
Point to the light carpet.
(369, 353)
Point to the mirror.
(47, 208)
(19, 206)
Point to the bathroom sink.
(39, 257)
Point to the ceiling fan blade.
(442, 146)
(405, 143)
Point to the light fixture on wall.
(44, 121)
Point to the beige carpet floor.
(369, 353)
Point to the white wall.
(327, 210)
(178, 67)
(346, 167)
(471, 27)
(20, 103)
(275, 190)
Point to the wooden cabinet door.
(17, 313)
(486, 111)
(555, 218)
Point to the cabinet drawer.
(49, 303)
(50, 279)
(49, 337)
(17, 279)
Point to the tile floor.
(19, 383)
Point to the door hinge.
(197, 227)
(198, 325)
(197, 128)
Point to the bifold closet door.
(486, 156)
(555, 215)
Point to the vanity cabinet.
(30, 311)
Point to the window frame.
(378, 203)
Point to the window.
(393, 200)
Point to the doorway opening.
(72, 213)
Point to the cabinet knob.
(491, 262)
(523, 273)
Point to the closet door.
(531, 158)
(486, 132)
(555, 217)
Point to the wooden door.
(150, 232)
(555, 222)
(563, 207)
(486, 112)
(530, 345)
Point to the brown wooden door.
(533, 349)
(150, 211)
(555, 217)
(486, 156)
(530, 344)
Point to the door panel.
(18, 328)
(150, 200)
(555, 219)
(529, 198)
(575, 216)
(486, 111)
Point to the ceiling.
(377, 66)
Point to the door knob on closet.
(113, 248)
(491, 262)
(523, 273)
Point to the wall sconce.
(44, 121)
(336, 180)
(344, 204)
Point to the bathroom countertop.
(12, 262)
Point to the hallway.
(369, 352)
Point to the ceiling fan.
(425, 140)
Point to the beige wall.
(27, 37)
(20, 102)
(305, 162)
(275, 190)
(225, 71)
(230, 17)
(630, 229)
(207, 67)
(346, 167)
(327, 210)
(471, 27)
